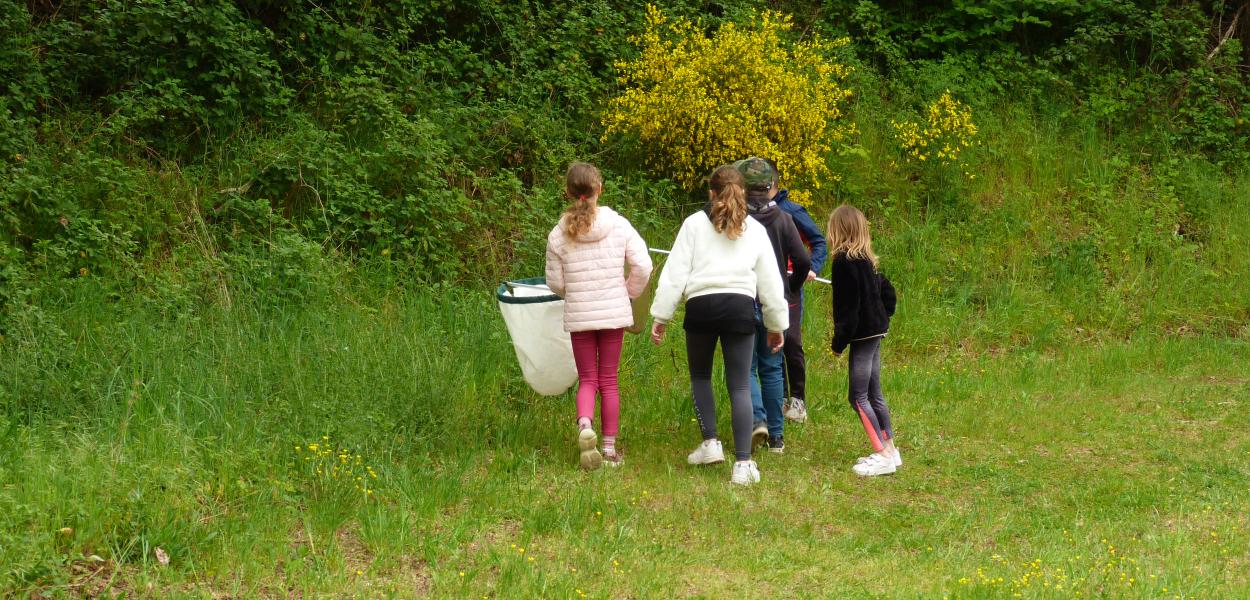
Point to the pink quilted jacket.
(589, 273)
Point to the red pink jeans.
(598, 356)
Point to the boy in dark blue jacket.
(796, 363)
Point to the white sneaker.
(797, 411)
(745, 473)
(875, 465)
(588, 444)
(898, 458)
(708, 453)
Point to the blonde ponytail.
(582, 183)
(729, 201)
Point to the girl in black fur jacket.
(863, 302)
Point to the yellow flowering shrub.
(695, 102)
(947, 131)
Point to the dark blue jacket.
(808, 230)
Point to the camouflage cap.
(758, 174)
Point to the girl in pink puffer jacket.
(586, 257)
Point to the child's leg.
(700, 349)
(585, 356)
(610, 341)
(737, 350)
(772, 382)
(757, 393)
(877, 400)
(874, 393)
(860, 374)
(796, 361)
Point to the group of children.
(739, 264)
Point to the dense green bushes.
(184, 153)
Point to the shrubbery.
(186, 152)
(694, 101)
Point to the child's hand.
(775, 340)
(657, 332)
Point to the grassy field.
(1103, 468)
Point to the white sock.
(609, 443)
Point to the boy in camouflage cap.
(758, 174)
(766, 399)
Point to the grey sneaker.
(759, 434)
(797, 411)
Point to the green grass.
(1110, 467)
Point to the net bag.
(535, 320)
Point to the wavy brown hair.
(848, 232)
(729, 201)
(582, 184)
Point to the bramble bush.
(694, 101)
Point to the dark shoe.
(776, 444)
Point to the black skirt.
(720, 313)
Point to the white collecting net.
(535, 320)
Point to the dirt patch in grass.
(494, 535)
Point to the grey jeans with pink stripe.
(865, 391)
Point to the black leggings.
(737, 350)
(796, 362)
(865, 391)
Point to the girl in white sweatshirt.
(722, 261)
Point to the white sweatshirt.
(706, 262)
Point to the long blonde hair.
(729, 201)
(582, 184)
(848, 232)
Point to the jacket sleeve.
(769, 287)
(639, 262)
(673, 277)
(800, 260)
(814, 236)
(888, 296)
(555, 266)
(845, 302)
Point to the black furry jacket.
(863, 301)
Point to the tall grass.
(137, 433)
(1067, 370)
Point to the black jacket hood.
(761, 208)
